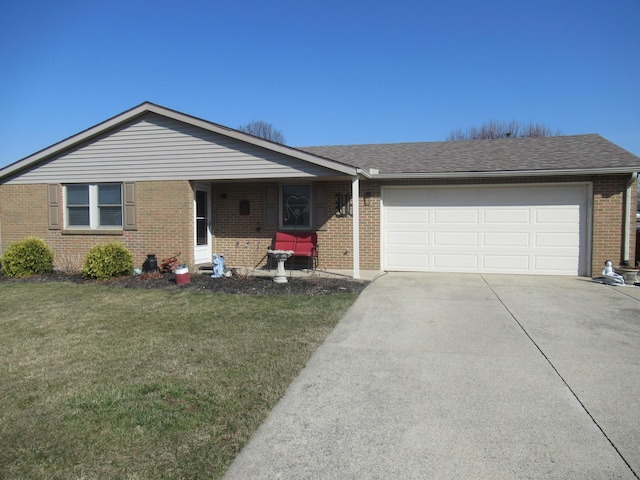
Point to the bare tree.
(262, 129)
(494, 129)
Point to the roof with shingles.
(504, 157)
(511, 155)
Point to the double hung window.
(94, 206)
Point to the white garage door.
(516, 229)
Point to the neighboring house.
(161, 182)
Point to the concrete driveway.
(464, 376)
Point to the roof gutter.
(503, 173)
(364, 173)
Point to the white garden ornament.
(610, 276)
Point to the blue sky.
(324, 72)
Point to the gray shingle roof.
(516, 155)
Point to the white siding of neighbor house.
(154, 147)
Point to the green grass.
(101, 382)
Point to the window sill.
(117, 232)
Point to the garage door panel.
(403, 239)
(569, 240)
(408, 216)
(447, 216)
(558, 215)
(502, 263)
(518, 229)
(408, 262)
(506, 239)
(503, 216)
(407, 227)
(454, 261)
(469, 239)
(555, 265)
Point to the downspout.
(355, 195)
(627, 218)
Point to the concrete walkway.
(464, 376)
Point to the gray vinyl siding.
(154, 147)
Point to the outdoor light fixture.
(367, 198)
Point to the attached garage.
(523, 229)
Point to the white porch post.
(355, 195)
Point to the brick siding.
(165, 221)
(244, 239)
(608, 220)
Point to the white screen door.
(202, 222)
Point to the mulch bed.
(236, 284)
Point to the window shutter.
(130, 210)
(271, 206)
(53, 193)
(320, 202)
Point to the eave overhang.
(499, 173)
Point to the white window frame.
(94, 210)
(281, 207)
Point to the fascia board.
(509, 173)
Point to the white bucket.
(182, 275)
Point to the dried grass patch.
(102, 382)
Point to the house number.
(343, 205)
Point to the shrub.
(107, 261)
(27, 257)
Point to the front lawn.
(104, 382)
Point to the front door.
(202, 222)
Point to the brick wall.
(165, 222)
(335, 239)
(370, 211)
(608, 220)
(244, 239)
(23, 213)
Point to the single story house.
(161, 181)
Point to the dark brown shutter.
(55, 218)
(271, 206)
(130, 210)
(320, 205)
